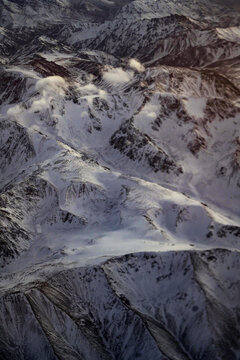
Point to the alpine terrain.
(119, 180)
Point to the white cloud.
(49, 88)
(151, 115)
(89, 89)
(14, 111)
(136, 65)
(51, 84)
(92, 90)
(117, 75)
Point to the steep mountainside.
(119, 134)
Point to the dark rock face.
(12, 88)
(16, 147)
(48, 68)
(235, 230)
(140, 148)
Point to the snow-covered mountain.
(119, 135)
(174, 305)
